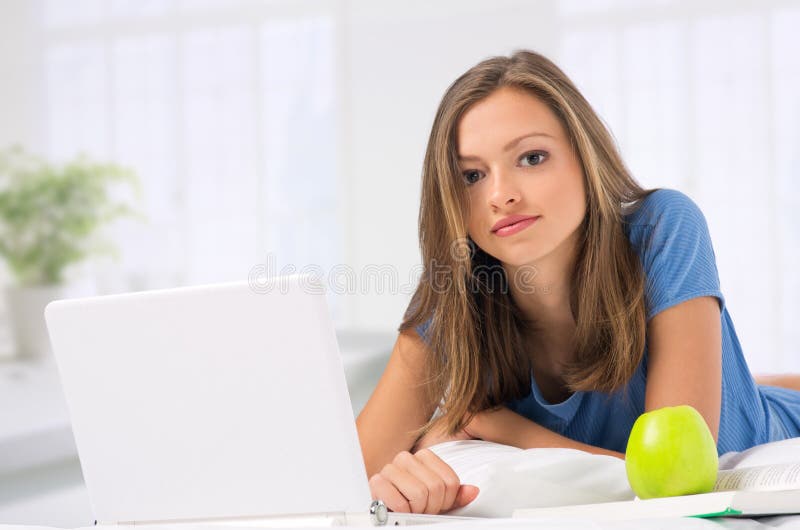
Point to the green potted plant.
(50, 219)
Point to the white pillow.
(782, 452)
(510, 478)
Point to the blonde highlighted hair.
(477, 359)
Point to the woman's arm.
(420, 482)
(685, 365)
(397, 406)
(505, 426)
(685, 368)
(788, 381)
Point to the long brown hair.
(477, 359)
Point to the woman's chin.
(517, 261)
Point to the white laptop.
(215, 403)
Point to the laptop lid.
(212, 401)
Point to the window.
(225, 110)
(704, 100)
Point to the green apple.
(671, 452)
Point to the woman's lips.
(516, 227)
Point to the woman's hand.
(420, 483)
(493, 425)
(437, 435)
(499, 425)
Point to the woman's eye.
(534, 158)
(472, 176)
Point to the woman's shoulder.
(669, 233)
(663, 205)
(666, 219)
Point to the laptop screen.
(212, 401)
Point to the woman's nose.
(503, 190)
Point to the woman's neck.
(543, 296)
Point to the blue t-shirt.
(670, 235)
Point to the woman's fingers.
(433, 482)
(381, 488)
(411, 487)
(466, 494)
(445, 473)
(420, 483)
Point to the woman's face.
(516, 159)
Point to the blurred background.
(214, 138)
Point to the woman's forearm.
(507, 427)
(790, 381)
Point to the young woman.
(560, 300)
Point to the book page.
(760, 478)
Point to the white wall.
(394, 61)
(401, 59)
(20, 85)
(20, 72)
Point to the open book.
(764, 480)
(743, 492)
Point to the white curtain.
(225, 110)
(702, 97)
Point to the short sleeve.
(422, 330)
(672, 239)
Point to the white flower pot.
(25, 307)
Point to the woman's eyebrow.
(510, 145)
